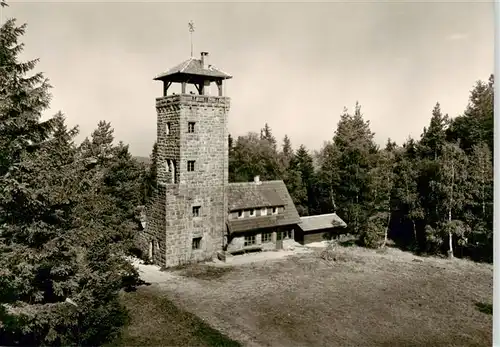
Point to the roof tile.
(256, 195)
(194, 66)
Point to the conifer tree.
(434, 137)
(406, 191)
(475, 126)
(287, 153)
(354, 141)
(59, 279)
(381, 183)
(151, 177)
(267, 134)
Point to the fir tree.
(60, 279)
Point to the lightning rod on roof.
(191, 30)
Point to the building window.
(263, 211)
(170, 168)
(191, 127)
(252, 213)
(196, 211)
(240, 214)
(167, 129)
(266, 237)
(190, 165)
(196, 243)
(275, 210)
(287, 234)
(249, 240)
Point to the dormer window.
(252, 213)
(191, 127)
(240, 214)
(275, 210)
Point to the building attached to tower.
(195, 213)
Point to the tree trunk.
(386, 231)
(450, 237)
(482, 191)
(388, 210)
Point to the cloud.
(457, 36)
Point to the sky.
(295, 66)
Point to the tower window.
(196, 243)
(190, 165)
(191, 127)
(167, 129)
(196, 211)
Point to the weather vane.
(191, 30)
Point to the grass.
(205, 272)
(156, 321)
(352, 297)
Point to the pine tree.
(381, 183)
(434, 138)
(406, 191)
(328, 177)
(480, 202)
(267, 135)
(286, 154)
(475, 126)
(59, 280)
(354, 142)
(430, 149)
(301, 168)
(100, 147)
(151, 176)
(297, 190)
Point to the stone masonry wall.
(170, 217)
(154, 235)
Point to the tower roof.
(193, 69)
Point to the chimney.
(256, 179)
(204, 60)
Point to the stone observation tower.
(187, 216)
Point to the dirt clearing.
(363, 298)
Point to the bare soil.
(356, 297)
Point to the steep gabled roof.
(322, 221)
(193, 67)
(249, 195)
